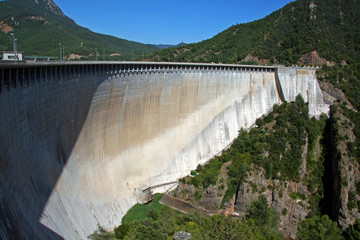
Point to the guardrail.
(14, 75)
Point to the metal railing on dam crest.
(23, 74)
(77, 138)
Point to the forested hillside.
(331, 27)
(39, 28)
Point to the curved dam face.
(40, 123)
(74, 150)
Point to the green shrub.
(262, 214)
(208, 175)
(253, 187)
(297, 195)
(351, 201)
(199, 168)
(198, 195)
(101, 234)
(319, 228)
(121, 231)
(353, 232)
(281, 193)
(182, 180)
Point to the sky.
(165, 21)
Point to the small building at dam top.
(80, 140)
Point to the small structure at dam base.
(143, 194)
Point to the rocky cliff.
(311, 59)
(345, 168)
(45, 4)
(50, 5)
(280, 196)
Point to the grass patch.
(141, 211)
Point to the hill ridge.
(40, 32)
(331, 28)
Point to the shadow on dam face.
(72, 151)
(40, 124)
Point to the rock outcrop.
(49, 5)
(311, 59)
(291, 210)
(346, 172)
(251, 58)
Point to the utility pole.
(96, 54)
(63, 52)
(60, 56)
(14, 45)
(16, 55)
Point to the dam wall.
(40, 124)
(294, 81)
(74, 146)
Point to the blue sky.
(165, 21)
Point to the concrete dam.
(77, 139)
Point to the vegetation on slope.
(319, 228)
(258, 224)
(331, 27)
(275, 145)
(39, 32)
(344, 77)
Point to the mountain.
(163, 46)
(44, 4)
(40, 25)
(330, 27)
